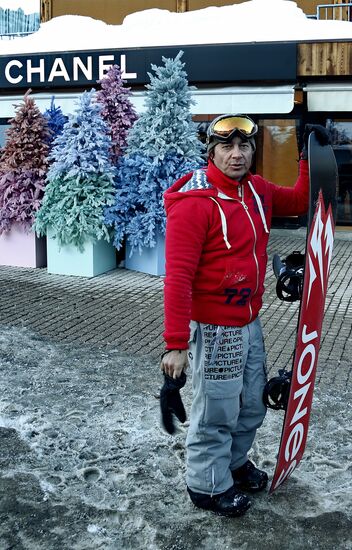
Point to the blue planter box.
(97, 258)
(151, 260)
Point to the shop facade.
(113, 12)
(281, 85)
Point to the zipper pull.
(242, 194)
(242, 198)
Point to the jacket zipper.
(241, 194)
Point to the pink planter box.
(21, 249)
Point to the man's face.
(234, 159)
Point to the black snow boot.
(249, 478)
(231, 503)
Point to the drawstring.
(260, 206)
(223, 217)
(223, 223)
(213, 481)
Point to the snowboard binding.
(289, 275)
(277, 390)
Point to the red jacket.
(217, 233)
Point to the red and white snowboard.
(319, 245)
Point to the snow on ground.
(85, 463)
(251, 21)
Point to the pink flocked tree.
(117, 110)
(23, 166)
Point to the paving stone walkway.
(124, 309)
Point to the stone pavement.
(84, 463)
(124, 309)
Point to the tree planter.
(19, 248)
(151, 260)
(97, 258)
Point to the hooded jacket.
(217, 232)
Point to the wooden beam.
(181, 6)
(342, 12)
(45, 10)
(325, 59)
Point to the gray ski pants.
(228, 377)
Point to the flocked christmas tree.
(23, 166)
(162, 146)
(56, 120)
(80, 178)
(117, 109)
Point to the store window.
(277, 150)
(341, 133)
(3, 128)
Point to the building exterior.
(281, 85)
(113, 11)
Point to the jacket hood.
(204, 182)
(201, 183)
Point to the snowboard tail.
(319, 246)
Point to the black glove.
(321, 133)
(171, 402)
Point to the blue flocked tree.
(56, 120)
(162, 146)
(80, 178)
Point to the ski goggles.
(225, 127)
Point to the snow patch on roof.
(251, 21)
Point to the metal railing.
(11, 35)
(18, 23)
(341, 12)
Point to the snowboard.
(323, 176)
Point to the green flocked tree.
(23, 166)
(162, 146)
(80, 178)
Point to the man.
(218, 222)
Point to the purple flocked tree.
(23, 166)
(117, 109)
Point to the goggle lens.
(225, 127)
